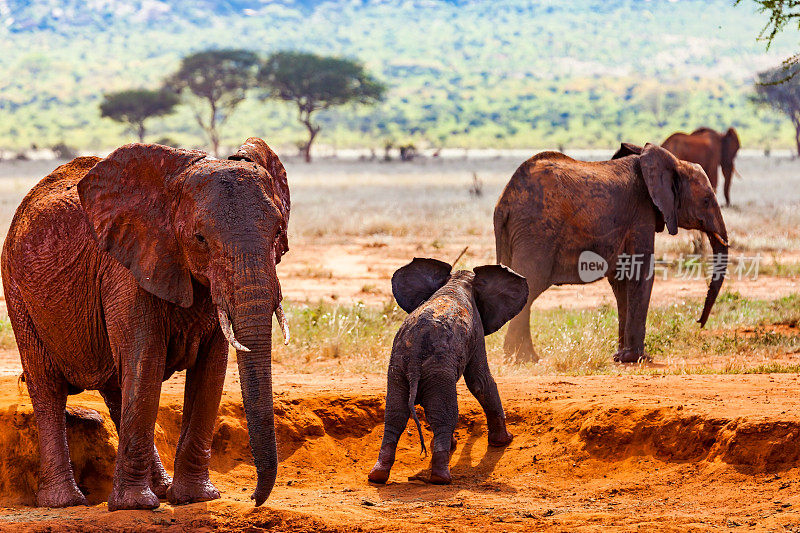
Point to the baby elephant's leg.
(440, 401)
(395, 420)
(481, 384)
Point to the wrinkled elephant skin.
(115, 272)
(559, 219)
(442, 339)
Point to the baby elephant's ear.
(418, 280)
(500, 294)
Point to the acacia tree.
(135, 106)
(781, 13)
(218, 80)
(314, 82)
(775, 90)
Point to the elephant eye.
(200, 238)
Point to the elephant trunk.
(255, 300)
(719, 246)
(730, 146)
(727, 168)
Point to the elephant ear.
(126, 201)
(658, 172)
(626, 149)
(730, 145)
(500, 294)
(418, 280)
(257, 151)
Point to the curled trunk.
(719, 246)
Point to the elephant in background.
(709, 149)
(442, 339)
(119, 272)
(562, 221)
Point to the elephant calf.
(443, 338)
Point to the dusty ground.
(608, 452)
(361, 270)
(592, 453)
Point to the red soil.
(607, 452)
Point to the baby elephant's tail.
(412, 395)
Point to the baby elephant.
(441, 339)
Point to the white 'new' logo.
(591, 266)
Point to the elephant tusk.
(722, 241)
(227, 330)
(282, 321)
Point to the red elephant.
(119, 272)
(710, 149)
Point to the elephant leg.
(518, 342)
(204, 382)
(482, 385)
(159, 479)
(638, 300)
(140, 350)
(621, 295)
(48, 392)
(395, 421)
(57, 486)
(440, 401)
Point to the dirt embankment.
(610, 451)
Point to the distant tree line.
(214, 82)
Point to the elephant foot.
(440, 468)
(181, 492)
(160, 482)
(65, 494)
(629, 356)
(379, 473)
(498, 434)
(132, 498)
(521, 353)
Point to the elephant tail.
(412, 396)
(501, 239)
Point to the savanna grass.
(743, 336)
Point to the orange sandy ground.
(699, 452)
(361, 269)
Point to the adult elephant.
(710, 149)
(561, 221)
(119, 272)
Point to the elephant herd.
(120, 271)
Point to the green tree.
(776, 91)
(135, 106)
(219, 81)
(314, 82)
(781, 13)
